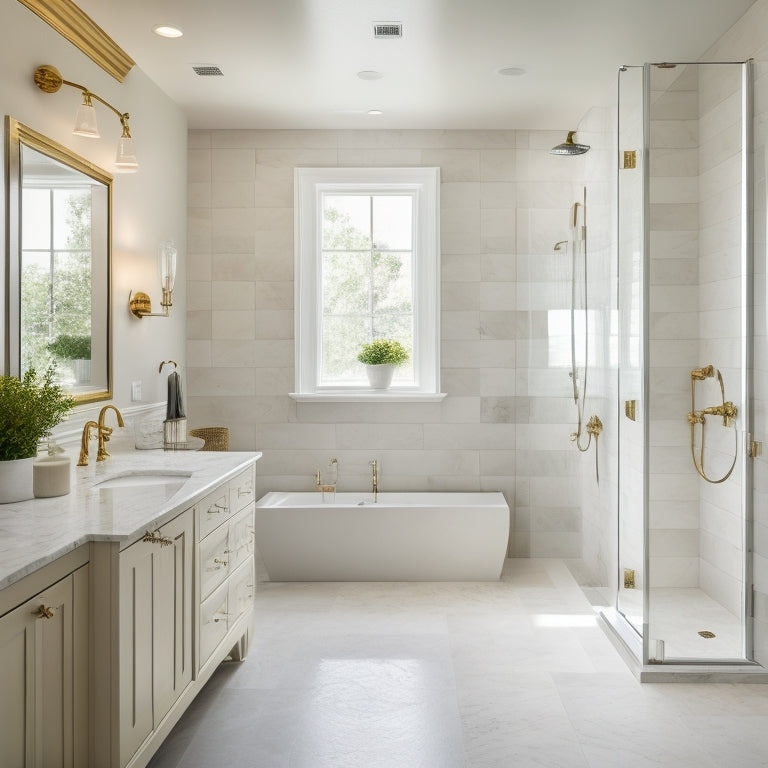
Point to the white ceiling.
(293, 63)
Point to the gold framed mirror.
(58, 264)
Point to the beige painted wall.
(148, 206)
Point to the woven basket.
(216, 438)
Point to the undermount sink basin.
(142, 480)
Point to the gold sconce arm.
(141, 305)
(49, 80)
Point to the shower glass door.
(631, 243)
(697, 325)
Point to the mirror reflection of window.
(56, 280)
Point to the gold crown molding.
(77, 27)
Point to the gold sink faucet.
(105, 432)
(83, 460)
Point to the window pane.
(399, 328)
(393, 222)
(346, 283)
(342, 338)
(392, 282)
(346, 222)
(72, 293)
(36, 219)
(72, 219)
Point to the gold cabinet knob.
(44, 613)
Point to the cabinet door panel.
(135, 647)
(172, 612)
(13, 683)
(37, 710)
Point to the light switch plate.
(136, 391)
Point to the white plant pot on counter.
(380, 376)
(16, 480)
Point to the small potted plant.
(380, 358)
(29, 408)
(77, 349)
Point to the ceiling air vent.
(206, 70)
(387, 29)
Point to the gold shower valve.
(727, 410)
(594, 426)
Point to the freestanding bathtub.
(403, 537)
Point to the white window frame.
(309, 186)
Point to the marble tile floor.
(677, 616)
(453, 675)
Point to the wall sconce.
(49, 80)
(140, 303)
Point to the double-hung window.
(367, 267)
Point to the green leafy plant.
(383, 352)
(29, 408)
(71, 347)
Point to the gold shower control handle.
(727, 410)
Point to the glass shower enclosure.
(684, 301)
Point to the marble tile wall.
(505, 423)
(749, 39)
(721, 550)
(673, 328)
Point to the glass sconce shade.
(126, 162)
(167, 265)
(85, 119)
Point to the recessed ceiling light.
(511, 71)
(375, 112)
(369, 74)
(166, 30)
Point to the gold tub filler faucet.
(726, 410)
(328, 487)
(375, 467)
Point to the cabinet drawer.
(241, 492)
(241, 543)
(214, 622)
(241, 590)
(214, 560)
(213, 510)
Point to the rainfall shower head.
(569, 147)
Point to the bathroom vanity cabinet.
(44, 666)
(155, 630)
(103, 649)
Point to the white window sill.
(368, 397)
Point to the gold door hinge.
(630, 409)
(629, 578)
(630, 158)
(755, 449)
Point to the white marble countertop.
(36, 532)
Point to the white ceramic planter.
(16, 480)
(380, 376)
